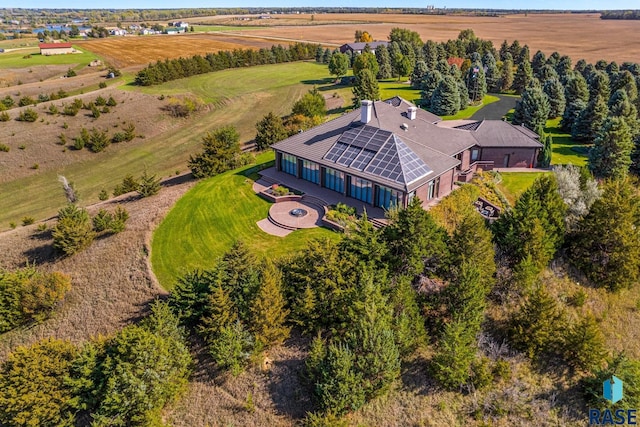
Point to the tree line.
(172, 69)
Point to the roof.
(54, 45)
(496, 133)
(361, 45)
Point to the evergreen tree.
(492, 75)
(472, 243)
(591, 120)
(606, 245)
(232, 348)
(547, 72)
(149, 185)
(576, 97)
(610, 156)
(584, 345)
(445, 99)
(626, 82)
(74, 230)
(241, 277)
(268, 310)
(384, 62)
(539, 60)
(455, 353)
(365, 87)
(555, 94)
(532, 110)
(506, 75)
(476, 82)
(219, 313)
(221, 152)
(430, 54)
(418, 74)
(269, 131)
(430, 82)
(326, 57)
(312, 104)
(464, 94)
(544, 156)
(408, 324)
(188, 299)
(621, 106)
(598, 82)
(366, 60)
(533, 327)
(523, 77)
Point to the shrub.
(22, 147)
(280, 190)
(53, 109)
(43, 97)
(118, 137)
(4, 117)
(183, 107)
(62, 139)
(73, 231)
(105, 109)
(71, 73)
(95, 112)
(232, 348)
(98, 140)
(102, 221)
(111, 102)
(4, 148)
(149, 185)
(26, 100)
(70, 110)
(28, 220)
(129, 131)
(102, 85)
(28, 115)
(35, 166)
(8, 102)
(129, 183)
(105, 221)
(42, 227)
(103, 195)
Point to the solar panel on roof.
(336, 151)
(348, 155)
(363, 159)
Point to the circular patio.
(296, 214)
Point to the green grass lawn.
(17, 59)
(211, 217)
(470, 111)
(565, 150)
(515, 183)
(391, 88)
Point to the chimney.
(411, 112)
(365, 111)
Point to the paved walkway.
(281, 214)
(270, 228)
(496, 110)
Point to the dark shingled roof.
(360, 46)
(395, 151)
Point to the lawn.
(470, 111)
(515, 183)
(391, 88)
(565, 150)
(211, 217)
(18, 58)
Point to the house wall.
(465, 160)
(518, 157)
(56, 51)
(446, 183)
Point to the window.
(311, 171)
(361, 189)
(475, 154)
(432, 188)
(289, 164)
(334, 180)
(387, 197)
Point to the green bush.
(71, 73)
(95, 112)
(4, 117)
(103, 195)
(28, 115)
(4, 148)
(74, 231)
(28, 220)
(232, 348)
(53, 109)
(102, 85)
(98, 140)
(8, 102)
(149, 185)
(280, 191)
(70, 110)
(129, 184)
(26, 100)
(111, 102)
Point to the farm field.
(577, 35)
(123, 52)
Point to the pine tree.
(74, 230)
(430, 54)
(538, 61)
(523, 77)
(384, 62)
(268, 310)
(365, 87)
(429, 83)
(532, 110)
(472, 243)
(408, 324)
(591, 120)
(476, 82)
(584, 345)
(220, 313)
(269, 131)
(610, 156)
(365, 60)
(149, 185)
(418, 74)
(534, 326)
(598, 82)
(555, 94)
(455, 353)
(606, 244)
(492, 74)
(445, 99)
(621, 106)
(544, 156)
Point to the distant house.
(388, 152)
(55, 48)
(180, 24)
(118, 32)
(359, 47)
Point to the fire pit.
(298, 212)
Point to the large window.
(289, 164)
(475, 154)
(334, 180)
(311, 171)
(434, 188)
(361, 189)
(387, 197)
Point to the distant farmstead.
(55, 48)
(358, 48)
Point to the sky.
(451, 4)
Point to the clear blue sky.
(479, 4)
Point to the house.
(55, 48)
(357, 48)
(118, 32)
(179, 24)
(387, 152)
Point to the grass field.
(246, 95)
(17, 59)
(211, 217)
(565, 150)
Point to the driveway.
(496, 110)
